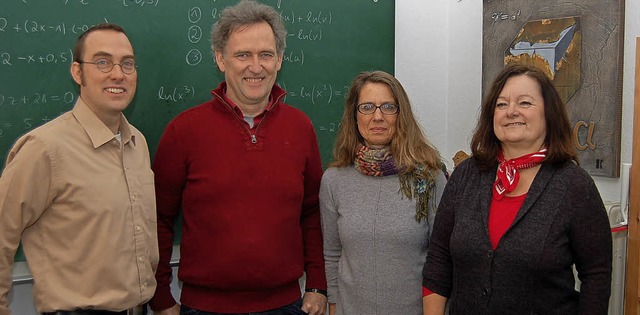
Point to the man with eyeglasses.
(78, 192)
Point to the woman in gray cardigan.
(378, 201)
(520, 213)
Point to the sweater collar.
(277, 93)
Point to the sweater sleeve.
(332, 244)
(437, 273)
(169, 167)
(591, 243)
(441, 181)
(310, 218)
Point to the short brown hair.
(485, 145)
(78, 50)
(408, 146)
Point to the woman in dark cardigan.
(520, 213)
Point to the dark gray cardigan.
(562, 222)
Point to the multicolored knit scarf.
(508, 175)
(419, 183)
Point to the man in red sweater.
(244, 169)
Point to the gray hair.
(247, 12)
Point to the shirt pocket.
(147, 195)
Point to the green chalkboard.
(329, 42)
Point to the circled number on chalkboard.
(195, 34)
(195, 14)
(194, 57)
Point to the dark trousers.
(290, 309)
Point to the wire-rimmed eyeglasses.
(386, 108)
(128, 66)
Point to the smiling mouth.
(254, 80)
(515, 124)
(115, 90)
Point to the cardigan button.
(489, 253)
(486, 291)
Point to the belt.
(138, 310)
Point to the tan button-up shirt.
(83, 204)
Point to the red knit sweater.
(250, 210)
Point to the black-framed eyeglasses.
(386, 108)
(128, 66)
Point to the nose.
(512, 110)
(377, 114)
(117, 74)
(255, 65)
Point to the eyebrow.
(517, 96)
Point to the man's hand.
(174, 310)
(314, 303)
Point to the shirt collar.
(97, 131)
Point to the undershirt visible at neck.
(249, 120)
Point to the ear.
(76, 72)
(220, 61)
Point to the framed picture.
(579, 44)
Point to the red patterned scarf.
(508, 175)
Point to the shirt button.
(141, 258)
(485, 292)
(138, 228)
(489, 253)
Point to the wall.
(438, 60)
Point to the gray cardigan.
(373, 247)
(561, 222)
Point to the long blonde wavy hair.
(409, 146)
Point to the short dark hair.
(247, 12)
(485, 145)
(78, 50)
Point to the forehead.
(520, 85)
(107, 42)
(372, 90)
(252, 36)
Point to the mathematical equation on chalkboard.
(9, 59)
(194, 33)
(316, 94)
